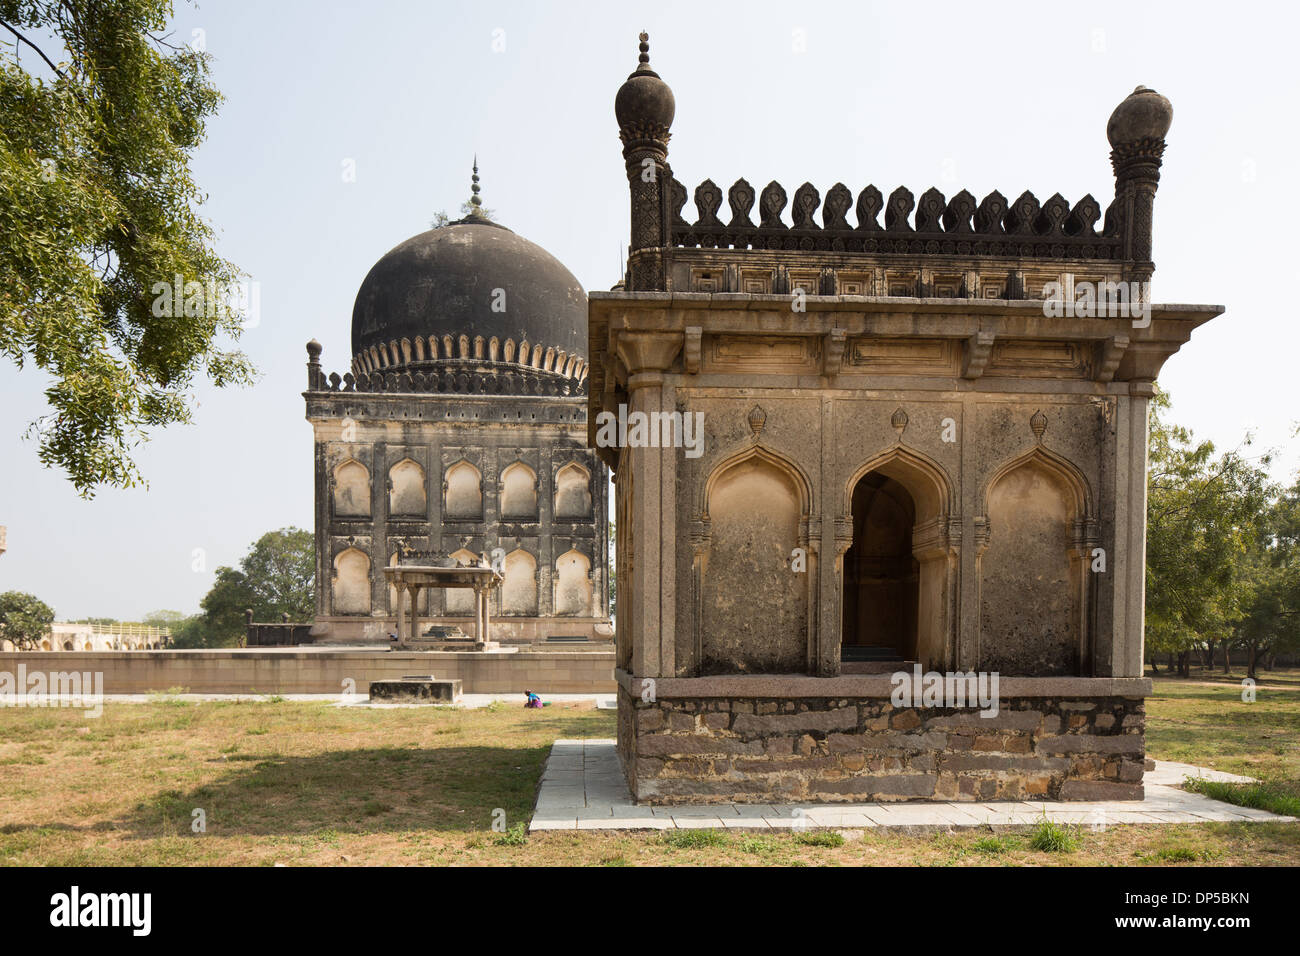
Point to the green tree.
(165, 620)
(99, 117)
(1271, 585)
(24, 619)
(190, 632)
(1203, 513)
(277, 576)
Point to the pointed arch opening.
(462, 488)
(895, 573)
(573, 590)
(519, 587)
(406, 495)
(351, 590)
(573, 492)
(752, 608)
(352, 489)
(1034, 571)
(518, 492)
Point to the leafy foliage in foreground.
(99, 117)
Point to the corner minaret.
(645, 108)
(1136, 131)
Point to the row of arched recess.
(896, 576)
(462, 491)
(518, 595)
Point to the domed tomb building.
(459, 429)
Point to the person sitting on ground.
(533, 700)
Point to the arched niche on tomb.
(462, 489)
(518, 492)
(1033, 545)
(351, 489)
(573, 584)
(460, 601)
(351, 589)
(519, 587)
(406, 494)
(896, 569)
(751, 608)
(573, 492)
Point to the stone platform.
(583, 788)
(333, 670)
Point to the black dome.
(443, 283)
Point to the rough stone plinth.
(417, 689)
(751, 749)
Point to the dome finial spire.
(474, 188)
(644, 58)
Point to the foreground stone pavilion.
(909, 459)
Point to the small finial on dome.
(644, 58)
(474, 188)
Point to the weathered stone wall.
(773, 750)
(451, 473)
(268, 671)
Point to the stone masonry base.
(751, 749)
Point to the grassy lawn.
(311, 783)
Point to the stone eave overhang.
(631, 327)
(607, 303)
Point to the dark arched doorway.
(881, 576)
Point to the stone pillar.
(400, 588)
(1128, 564)
(647, 355)
(413, 591)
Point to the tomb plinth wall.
(843, 740)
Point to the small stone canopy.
(410, 579)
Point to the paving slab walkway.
(583, 788)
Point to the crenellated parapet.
(771, 233)
(933, 226)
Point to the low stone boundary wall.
(295, 671)
(791, 739)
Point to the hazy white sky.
(955, 95)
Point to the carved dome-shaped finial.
(644, 106)
(1144, 115)
(757, 419)
(474, 187)
(313, 350)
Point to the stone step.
(876, 667)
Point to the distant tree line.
(1223, 553)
